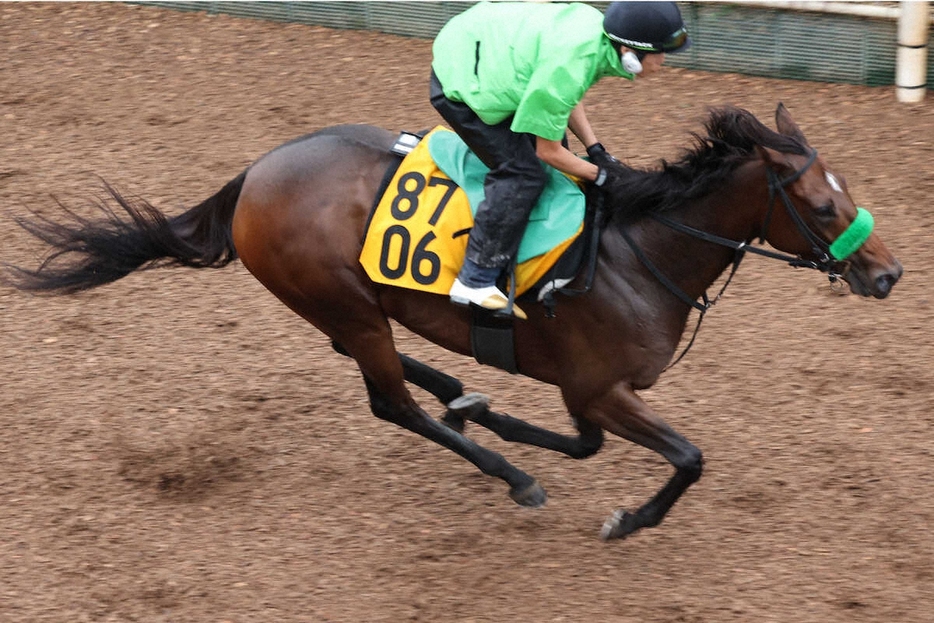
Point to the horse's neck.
(733, 212)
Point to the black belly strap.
(492, 339)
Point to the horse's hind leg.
(442, 386)
(389, 400)
(475, 407)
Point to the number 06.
(420, 256)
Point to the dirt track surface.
(178, 446)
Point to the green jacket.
(532, 60)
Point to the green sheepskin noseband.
(853, 236)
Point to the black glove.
(600, 156)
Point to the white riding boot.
(487, 297)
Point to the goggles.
(676, 41)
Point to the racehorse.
(297, 216)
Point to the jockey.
(509, 79)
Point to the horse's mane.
(732, 135)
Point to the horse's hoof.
(619, 525)
(469, 405)
(532, 496)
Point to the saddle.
(416, 237)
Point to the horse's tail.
(86, 253)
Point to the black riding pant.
(511, 188)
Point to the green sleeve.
(554, 89)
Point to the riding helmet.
(646, 27)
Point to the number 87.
(410, 197)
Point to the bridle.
(819, 248)
(829, 260)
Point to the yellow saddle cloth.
(417, 235)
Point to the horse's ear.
(776, 160)
(786, 125)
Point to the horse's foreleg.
(444, 387)
(475, 407)
(621, 412)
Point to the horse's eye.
(826, 211)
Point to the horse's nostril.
(885, 282)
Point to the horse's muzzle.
(885, 281)
(876, 281)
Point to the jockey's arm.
(554, 153)
(580, 126)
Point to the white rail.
(862, 9)
(914, 19)
(911, 62)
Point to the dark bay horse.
(296, 219)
